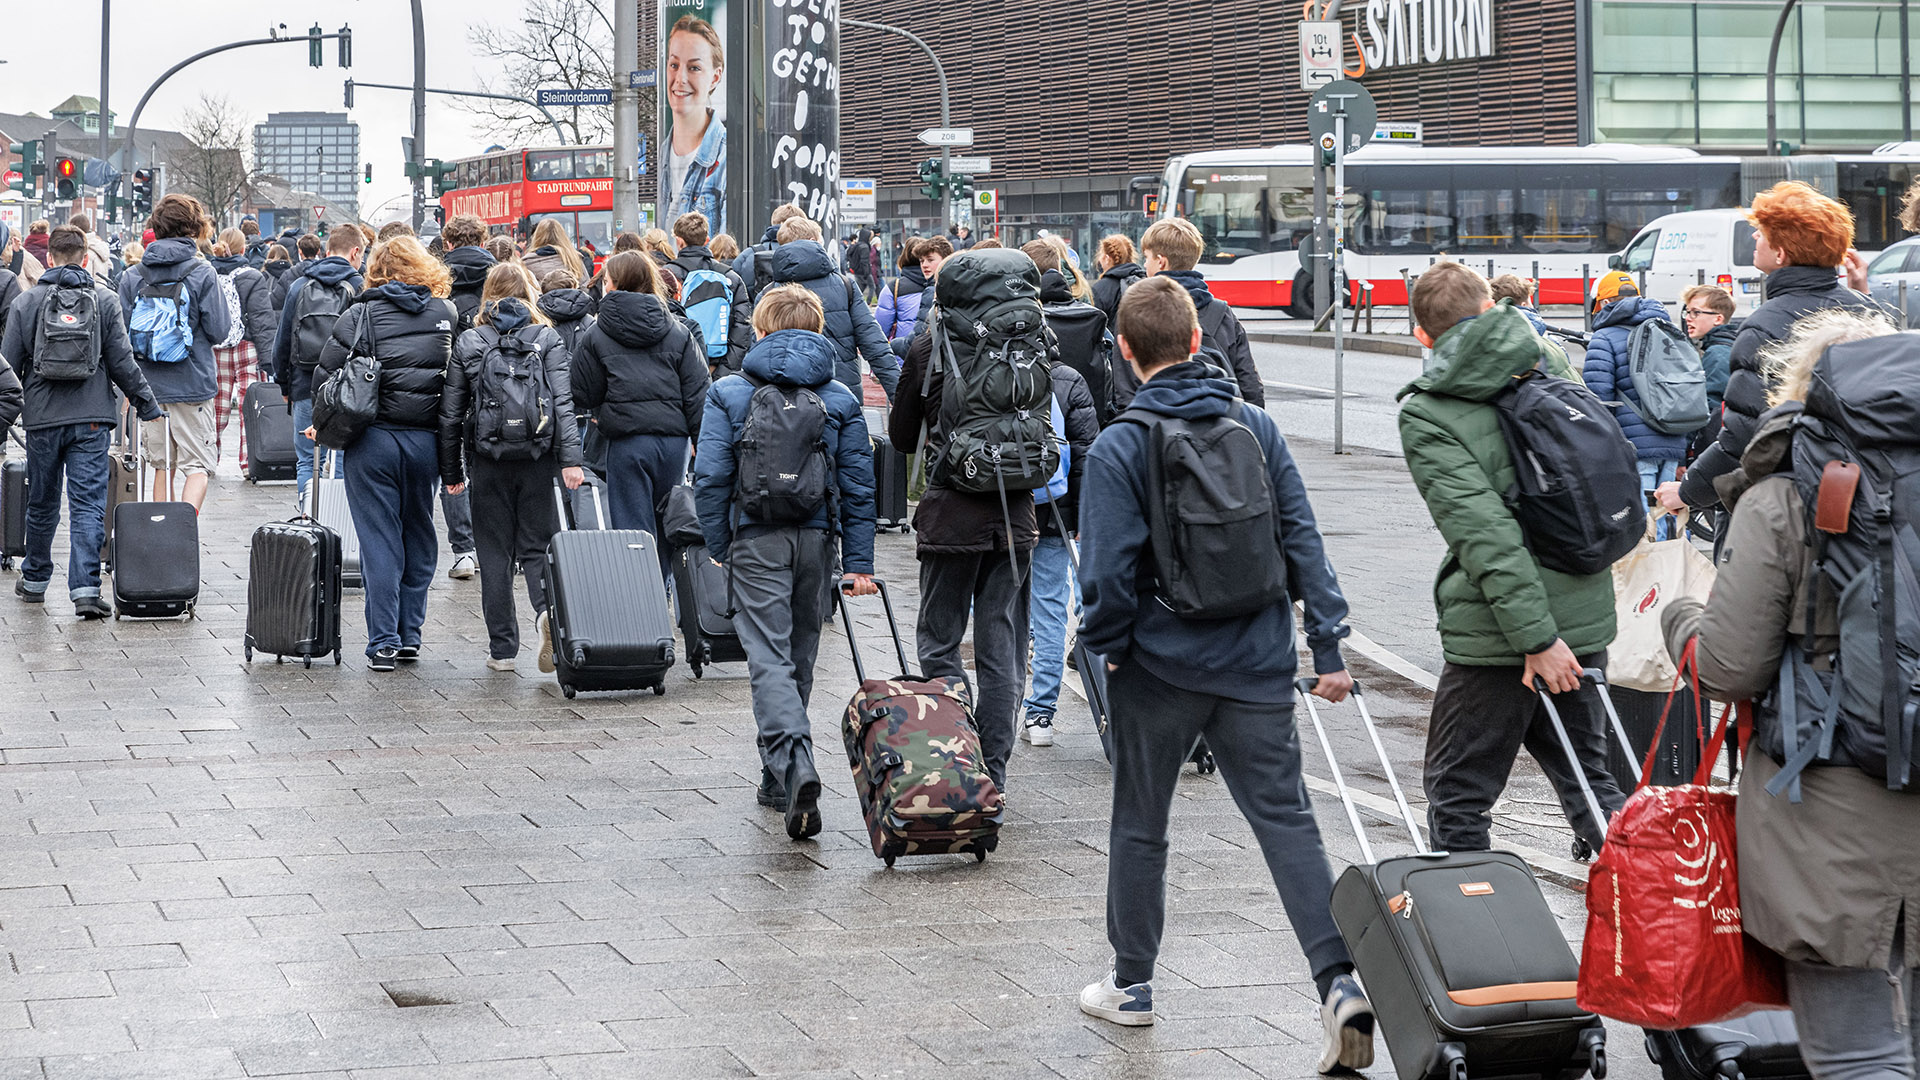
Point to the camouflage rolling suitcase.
(916, 759)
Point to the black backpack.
(995, 362)
(1577, 490)
(1211, 518)
(512, 404)
(67, 342)
(1856, 463)
(1214, 332)
(781, 462)
(315, 311)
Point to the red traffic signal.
(65, 168)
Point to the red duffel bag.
(1664, 947)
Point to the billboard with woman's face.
(693, 80)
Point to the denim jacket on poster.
(705, 188)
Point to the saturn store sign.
(1401, 33)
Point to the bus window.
(1640, 254)
(1232, 212)
(1744, 245)
(1873, 190)
(1558, 213)
(1483, 206)
(1289, 207)
(1629, 210)
(550, 164)
(1416, 222)
(494, 173)
(468, 175)
(595, 227)
(514, 173)
(588, 163)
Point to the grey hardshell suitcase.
(1461, 957)
(337, 515)
(608, 611)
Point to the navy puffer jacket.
(1609, 376)
(850, 322)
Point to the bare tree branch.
(217, 166)
(559, 44)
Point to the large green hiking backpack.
(994, 359)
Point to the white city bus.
(1538, 211)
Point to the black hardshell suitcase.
(607, 608)
(156, 555)
(13, 511)
(706, 610)
(1461, 957)
(890, 469)
(270, 453)
(293, 589)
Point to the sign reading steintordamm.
(1404, 32)
(575, 97)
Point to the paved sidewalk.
(214, 871)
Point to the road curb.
(1373, 343)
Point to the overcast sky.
(150, 37)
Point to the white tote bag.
(1651, 577)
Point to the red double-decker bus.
(514, 190)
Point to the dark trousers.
(1482, 716)
(392, 474)
(781, 583)
(514, 516)
(1257, 747)
(641, 469)
(79, 452)
(993, 590)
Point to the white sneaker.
(1346, 1019)
(545, 662)
(500, 663)
(1038, 729)
(1131, 1006)
(463, 567)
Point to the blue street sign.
(575, 97)
(641, 170)
(640, 80)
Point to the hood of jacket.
(1801, 279)
(508, 314)
(802, 260)
(469, 266)
(1189, 390)
(331, 270)
(1126, 270)
(1629, 313)
(791, 358)
(566, 305)
(227, 264)
(275, 268)
(636, 320)
(1194, 283)
(1721, 335)
(67, 276)
(912, 280)
(1478, 357)
(771, 236)
(1769, 451)
(412, 299)
(162, 255)
(1055, 288)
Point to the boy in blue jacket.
(1608, 372)
(781, 575)
(1173, 680)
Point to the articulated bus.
(1537, 211)
(514, 190)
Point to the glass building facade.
(317, 152)
(1695, 73)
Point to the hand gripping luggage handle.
(566, 519)
(1573, 757)
(1304, 686)
(853, 642)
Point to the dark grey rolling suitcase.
(1460, 954)
(890, 469)
(123, 485)
(156, 555)
(13, 512)
(706, 610)
(607, 608)
(270, 453)
(293, 589)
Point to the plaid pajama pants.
(237, 368)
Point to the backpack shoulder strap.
(1214, 317)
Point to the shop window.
(1643, 37)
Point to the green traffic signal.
(313, 46)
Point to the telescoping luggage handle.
(1340, 781)
(1599, 680)
(566, 519)
(853, 642)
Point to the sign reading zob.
(1322, 49)
(1399, 33)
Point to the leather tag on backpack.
(1838, 481)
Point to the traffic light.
(931, 181)
(349, 93)
(369, 172)
(346, 47)
(963, 186)
(30, 168)
(66, 178)
(313, 46)
(441, 173)
(142, 192)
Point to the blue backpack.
(1057, 483)
(161, 323)
(707, 298)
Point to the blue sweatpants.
(392, 475)
(641, 469)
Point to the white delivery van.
(1712, 246)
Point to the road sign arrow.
(947, 136)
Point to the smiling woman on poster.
(697, 142)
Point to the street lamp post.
(1773, 62)
(946, 119)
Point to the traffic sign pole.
(1339, 294)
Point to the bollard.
(1490, 274)
(1700, 276)
(1906, 316)
(1642, 286)
(1586, 295)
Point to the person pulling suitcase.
(1209, 652)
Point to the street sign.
(974, 165)
(640, 80)
(1343, 95)
(987, 199)
(574, 97)
(947, 136)
(319, 212)
(858, 202)
(1322, 52)
(1404, 134)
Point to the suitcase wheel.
(889, 860)
(336, 658)
(697, 668)
(979, 854)
(307, 661)
(1454, 1056)
(1205, 764)
(248, 651)
(659, 689)
(568, 690)
(278, 659)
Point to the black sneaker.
(92, 607)
(772, 795)
(383, 660)
(407, 654)
(20, 590)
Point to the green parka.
(1496, 602)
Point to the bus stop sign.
(1350, 97)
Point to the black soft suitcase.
(1461, 957)
(293, 589)
(270, 454)
(1636, 715)
(156, 555)
(13, 512)
(890, 468)
(706, 612)
(607, 608)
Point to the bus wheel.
(1300, 304)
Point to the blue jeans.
(459, 521)
(304, 449)
(392, 474)
(1053, 587)
(80, 452)
(1653, 473)
(641, 469)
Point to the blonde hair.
(724, 247)
(510, 280)
(1176, 240)
(232, 242)
(1789, 364)
(550, 233)
(797, 228)
(658, 240)
(1117, 249)
(404, 260)
(788, 307)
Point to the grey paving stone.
(206, 1064)
(351, 1052)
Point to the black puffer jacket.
(1080, 330)
(457, 404)
(285, 281)
(1083, 426)
(571, 311)
(261, 325)
(469, 266)
(638, 371)
(1108, 287)
(1793, 293)
(412, 335)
